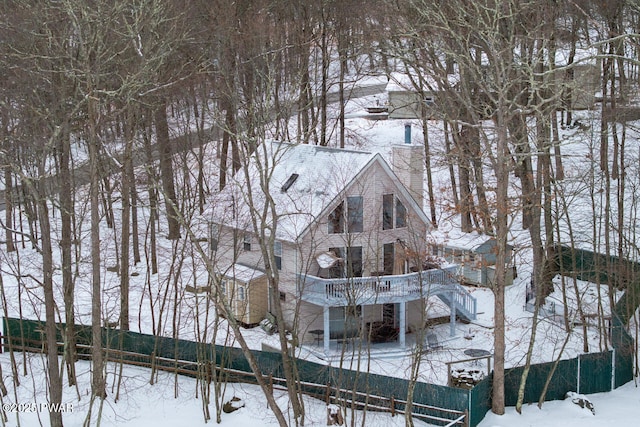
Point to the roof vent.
(289, 182)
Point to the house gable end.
(376, 162)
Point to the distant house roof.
(401, 82)
(477, 243)
(488, 245)
(303, 180)
(581, 56)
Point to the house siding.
(253, 308)
(372, 185)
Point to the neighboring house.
(405, 102)
(475, 256)
(349, 243)
(581, 83)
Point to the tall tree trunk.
(478, 177)
(8, 185)
(305, 103)
(502, 229)
(342, 52)
(466, 206)
(8, 209)
(200, 124)
(98, 382)
(450, 163)
(605, 113)
(557, 154)
(341, 30)
(55, 381)
(427, 164)
(325, 61)
(135, 235)
(166, 170)
(66, 214)
(153, 199)
(568, 89)
(125, 228)
(229, 138)
(267, 237)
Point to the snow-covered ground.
(177, 401)
(620, 407)
(171, 401)
(152, 295)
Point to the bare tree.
(494, 94)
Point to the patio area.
(438, 347)
(396, 295)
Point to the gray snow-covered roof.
(322, 174)
(401, 82)
(243, 273)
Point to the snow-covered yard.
(173, 401)
(160, 304)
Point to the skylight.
(289, 182)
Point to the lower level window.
(277, 254)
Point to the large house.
(349, 244)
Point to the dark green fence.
(347, 385)
(599, 268)
(625, 348)
(564, 379)
(589, 373)
(480, 400)
(620, 274)
(596, 370)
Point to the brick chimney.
(408, 165)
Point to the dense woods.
(120, 119)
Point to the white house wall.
(372, 185)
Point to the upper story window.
(387, 211)
(351, 219)
(401, 214)
(246, 243)
(214, 232)
(277, 254)
(352, 262)
(394, 212)
(355, 214)
(336, 219)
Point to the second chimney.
(408, 165)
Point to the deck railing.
(464, 303)
(372, 289)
